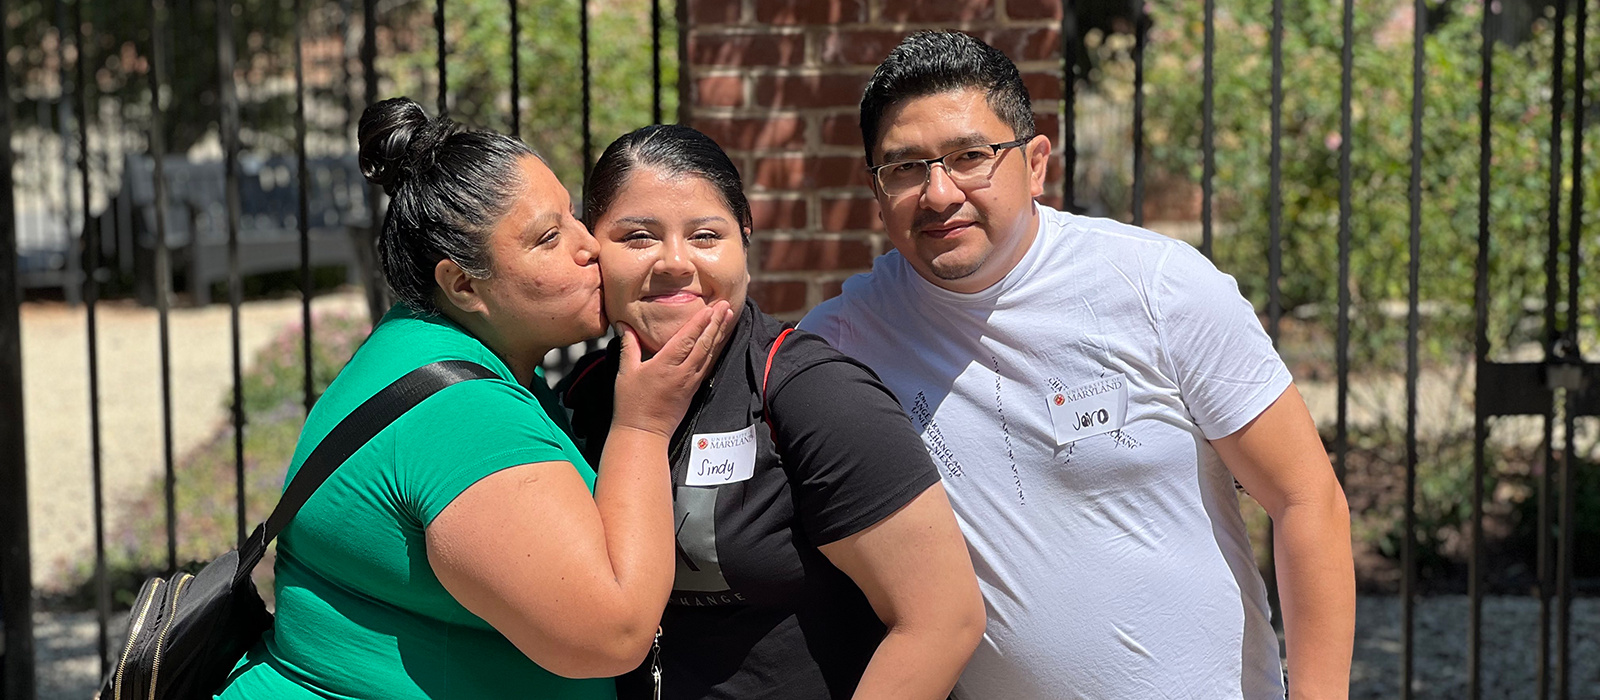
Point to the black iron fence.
(1560, 387)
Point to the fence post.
(1069, 104)
(1480, 353)
(92, 246)
(588, 135)
(366, 241)
(1408, 546)
(16, 583)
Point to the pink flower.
(1333, 140)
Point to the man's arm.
(1280, 461)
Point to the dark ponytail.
(674, 150)
(447, 188)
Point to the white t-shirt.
(1113, 566)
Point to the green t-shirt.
(360, 613)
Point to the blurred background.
(1406, 189)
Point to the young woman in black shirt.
(817, 555)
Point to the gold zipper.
(172, 614)
(133, 634)
(655, 663)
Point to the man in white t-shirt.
(1090, 392)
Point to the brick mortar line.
(754, 27)
(822, 150)
(835, 152)
(852, 235)
(794, 275)
(841, 236)
(709, 112)
(798, 156)
(1037, 65)
(774, 113)
(724, 70)
(861, 193)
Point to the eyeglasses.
(972, 165)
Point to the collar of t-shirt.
(1016, 277)
(400, 312)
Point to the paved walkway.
(56, 403)
(68, 666)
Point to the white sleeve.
(827, 321)
(1224, 364)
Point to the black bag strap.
(369, 419)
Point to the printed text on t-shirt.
(933, 436)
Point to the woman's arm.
(578, 581)
(867, 488)
(914, 568)
(1280, 461)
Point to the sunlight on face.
(669, 246)
(960, 238)
(544, 289)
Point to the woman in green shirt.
(468, 550)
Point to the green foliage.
(1380, 142)
(117, 39)
(1585, 514)
(276, 383)
(117, 43)
(479, 68)
(205, 487)
(1513, 481)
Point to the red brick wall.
(777, 84)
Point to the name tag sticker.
(721, 458)
(1096, 408)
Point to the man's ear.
(1039, 163)
(458, 288)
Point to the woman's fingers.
(678, 348)
(705, 343)
(658, 390)
(705, 350)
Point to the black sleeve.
(586, 391)
(853, 457)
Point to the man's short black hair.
(928, 63)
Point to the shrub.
(205, 485)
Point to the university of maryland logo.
(702, 444)
(1060, 399)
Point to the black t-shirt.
(756, 609)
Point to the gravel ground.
(1510, 648)
(67, 663)
(64, 644)
(56, 405)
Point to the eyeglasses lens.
(966, 167)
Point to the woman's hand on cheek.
(652, 395)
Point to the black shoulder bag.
(186, 633)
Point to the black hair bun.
(398, 141)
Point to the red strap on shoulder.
(765, 374)
(579, 379)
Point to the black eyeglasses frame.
(996, 148)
